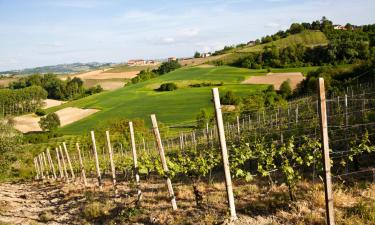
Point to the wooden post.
(83, 172)
(36, 168)
(63, 163)
(45, 164)
(41, 165)
(238, 126)
(163, 160)
(59, 164)
(69, 162)
(113, 169)
(96, 161)
(326, 159)
(223, 145)
(51, 164)
(135, 162)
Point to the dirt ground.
(256, 203)
(29, 122)
(5, 81)
(276, 79)
(48, 103)
(103, 75)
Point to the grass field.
(172, 108)
(126, 68)
(307, 38)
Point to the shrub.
(230, 99)
(285, 89)
(50, 123)
(167, 87)
(40, 112)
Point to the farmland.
(140, 100)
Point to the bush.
(230, 99)
(285, 89)
(50, 123)
(167, 87)
(40, 112)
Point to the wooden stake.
(51, 164)
(83, 172)
(135, 162)
(36, 168)
(63, 163)
(228, 179)
(59, 164)
(45, 164)
(163, 160)
(96, 161)
(326, 159)
(41, 166)
(69, 162)
(113, 169)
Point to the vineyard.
(311, 145)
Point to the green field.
(176, 107)
(306, 38)
(125, 68)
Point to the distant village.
(144, 62)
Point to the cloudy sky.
(47, 32)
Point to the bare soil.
(29, 122)
(276, 79)
(48, 103)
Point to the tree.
(229, 99)
(49, 123)
(285, 89)
(167, 67)
(202, 119)
(197, 54)
(296, 28)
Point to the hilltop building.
(170, 59)
(141, 62)
(205, 55)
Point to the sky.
(49, 32)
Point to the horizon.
(42, 33)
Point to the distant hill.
(59, 69)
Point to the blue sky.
(47, 32)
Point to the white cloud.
(272, 25)
(188, 32)
(168, 40)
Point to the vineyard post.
(163, 161)
(297, 114)
(113, 169)
(51, 164)
(144, 144)
(36, 168)
(45, 164)
(121, 149)
(69, 162)
(83, 172)
(346, 127)
(135, 162)
(326, 159)
(228, 180)
(96, 161)
(207, 134)
(249, 123)
(63, 164)
(59, 164)
(238, 126)
(41, 165)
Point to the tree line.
(55, 87)
(345, 46)
(20, 101)
(164, 68)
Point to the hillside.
(141, 100)
(176, 107)
(306, 38)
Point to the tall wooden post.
(59, 164)
(69, 162)
(96, 161)
(41, 165)
(63, 163)
(163, 161)
(51, 164)
(45, 164)
(224, 152)
(36, 168)
(135, 162)
(326, 159)
(83, 172)
(238, 126)
(113, 169)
